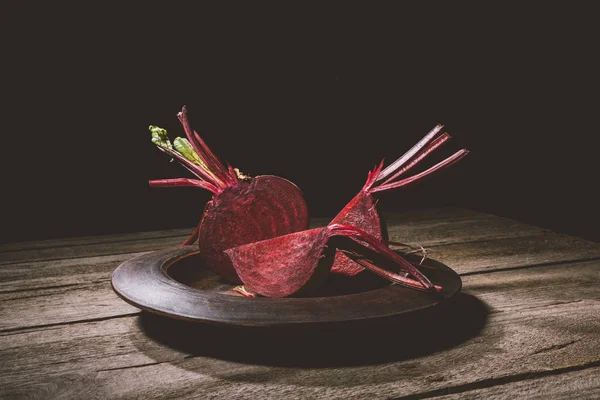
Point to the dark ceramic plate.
(174, 283)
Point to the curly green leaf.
(160, 137)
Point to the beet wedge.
(361, 211)
(295, 264)
(242, 210)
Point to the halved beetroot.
(243, 209)
(260, 208)
(297, 263)
(361, 212)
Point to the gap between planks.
(491, 382)
(532, 331)
(467, 259)
(410, 218)
(106, 281)
(424, 214)
(428, 232)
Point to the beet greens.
(242, 210)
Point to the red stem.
(223, 172)
(192, 238)
(431, 147)
(390, 169)
(204, 151)
(360, 236)
(413, 250)
(232, 172)
(447, 162)
(384, 273)
(193, 168)
(372, 177)
(183, 182)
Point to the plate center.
(191, 271)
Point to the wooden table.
(527, 324)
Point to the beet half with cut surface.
(242, 210)
(260, 208)
(295, 264)
(361, 212)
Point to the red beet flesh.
(254, 229)
(260, 208)
(284, 265)
(242, 210)
(294, 264)
(361, 211)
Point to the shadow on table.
(403, 338)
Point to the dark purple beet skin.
(256, 209)
(243, 209)
(361, 211)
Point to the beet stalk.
(361, 211)
(297, 263)
(242, 210)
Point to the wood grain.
(579, 384)
(411, 217)
(527, 326)
(529, 330)
(507, 253)
(426, 228)
(81, 241)
(101, 248)
(69, 281)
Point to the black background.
(314, 92)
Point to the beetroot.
(261, 208)
(361, 211)
(297, 263)
(242, 209)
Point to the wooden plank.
(61, 305)
(419, 228)
(464, 257)
(28, 288)
(580, 384)
(411, 215)
(89, 250)
(509, 324)
(66, 284)
(456, 229)
(86, 240)
(28, 276)
(506, 253)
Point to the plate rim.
(143, 282)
